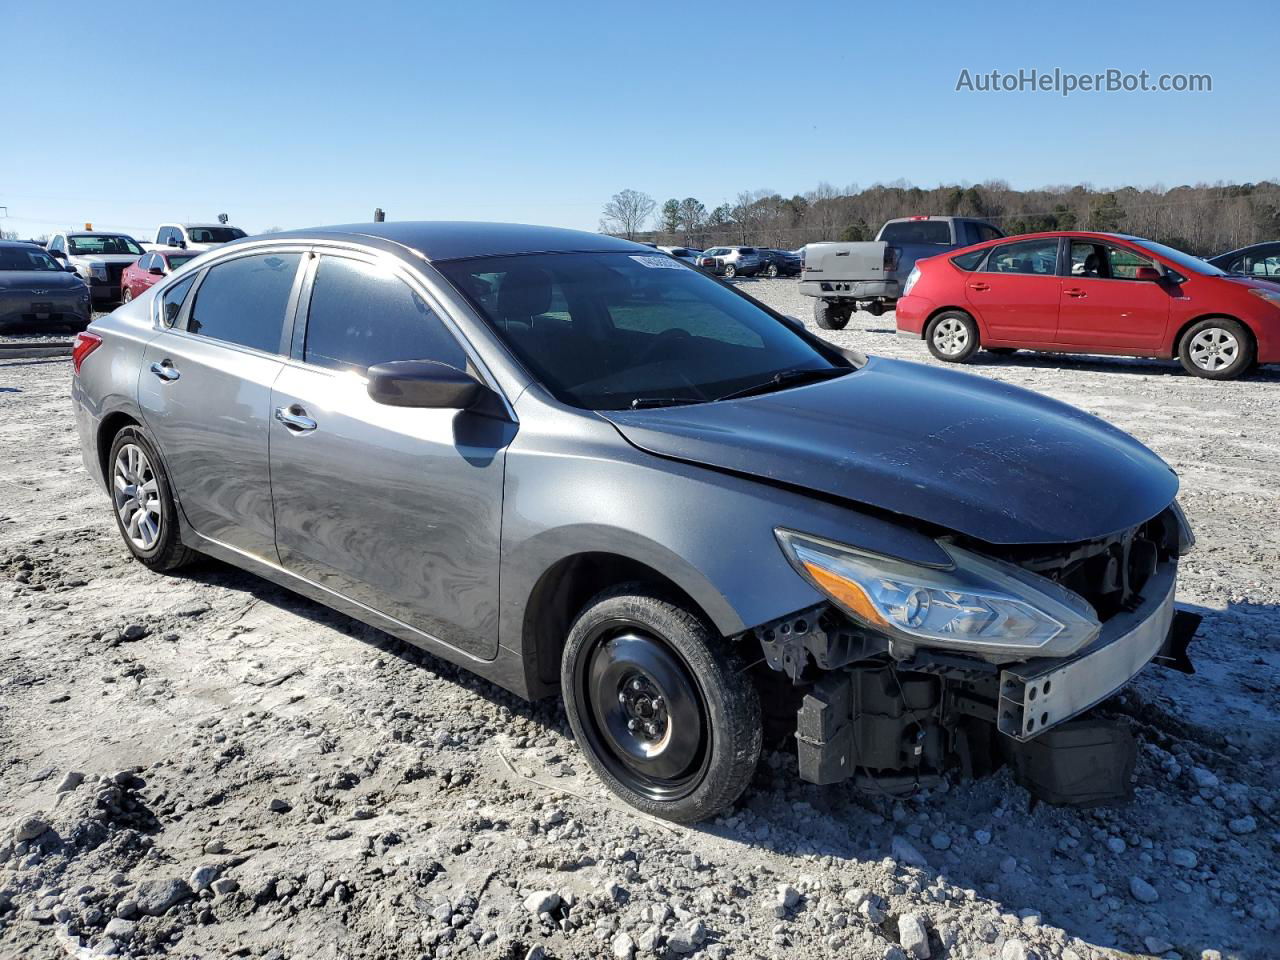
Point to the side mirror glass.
(1146, 273)
(423, 383)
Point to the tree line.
(1203, 219)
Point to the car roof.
(97, 233)
(462, 239)
(20, 243)
(195, 225)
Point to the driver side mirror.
(424, 383)
(70, 268)
(175, 242)
(1147, 273)
(156, 271)
(57, 254)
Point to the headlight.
(912, 277)
(979, 604)
(99, 270)
(1271, 296)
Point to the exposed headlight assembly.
(99, 270)
(979, 604)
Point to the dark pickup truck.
(871, 274)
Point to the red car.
(138, 277)
(1091, 293)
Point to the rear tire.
(831, 316)
(1217, 349)
(142, 502)
(126, 296)
(663, 711)
(952, 336)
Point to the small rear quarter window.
(970, 260)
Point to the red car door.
(1015, 295)
(1109, 303)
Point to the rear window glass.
(917, 231)
(747, 250)
(970, 261)
(243, 301)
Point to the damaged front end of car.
(907, 671)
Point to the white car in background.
(685, 254)
(194, 236)
(98, 256)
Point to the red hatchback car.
(138, 277)
(1091, 293)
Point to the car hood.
(38, 280)
(978, 457)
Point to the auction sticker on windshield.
(658, 263)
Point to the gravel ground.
(206, 765)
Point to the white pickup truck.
(872, 273)
(194, 236)
(98, 256)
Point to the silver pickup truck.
(846, 276)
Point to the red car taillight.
(84, 345)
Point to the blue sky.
(297, 115)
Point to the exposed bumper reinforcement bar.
(1040, 694)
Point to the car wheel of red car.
(952, 336)
(126, 296)
(1218, 349)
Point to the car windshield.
(608, 331)
(19, 258)
(1184, 260)
(214, 234)
(83, 244)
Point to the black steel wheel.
(663, 713)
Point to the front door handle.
(979, 287)
(1075, 292)
(165, 370)
(295, 419)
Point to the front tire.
(730, 271)
(127, 296)
(663, 712)
(952, 336)
(1216, 349)
(772, 271)
(142, 502)
(831, 316)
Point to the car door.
(205, 392)
(397, 508)
(1104, 303)
(1016, 293)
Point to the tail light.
(891, 255)
(85, 344)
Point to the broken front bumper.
(1039, 694)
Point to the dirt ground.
(205, 765)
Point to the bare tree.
(692, 216)
(626, 213)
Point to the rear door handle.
(1075, 292)
(979, 287)
(165, 370)
(295, 419)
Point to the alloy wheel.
(647, 720)
(951, 337)
(135, 492)
(1214, 348)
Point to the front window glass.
(611, 331)
(20, 258)
(243, 301)
(1184, 260)
(84, 244)
(214, 234)
(1102, 261)
(363, 314)
(1036, 257)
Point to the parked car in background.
(871, 274)
(386, 418)
(730, 262)
(1081, 292)
(684, 254)
(36, 290)
(139, 277)
(99, 256)
(1260, 261)
(194, 236)
(780, 263)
